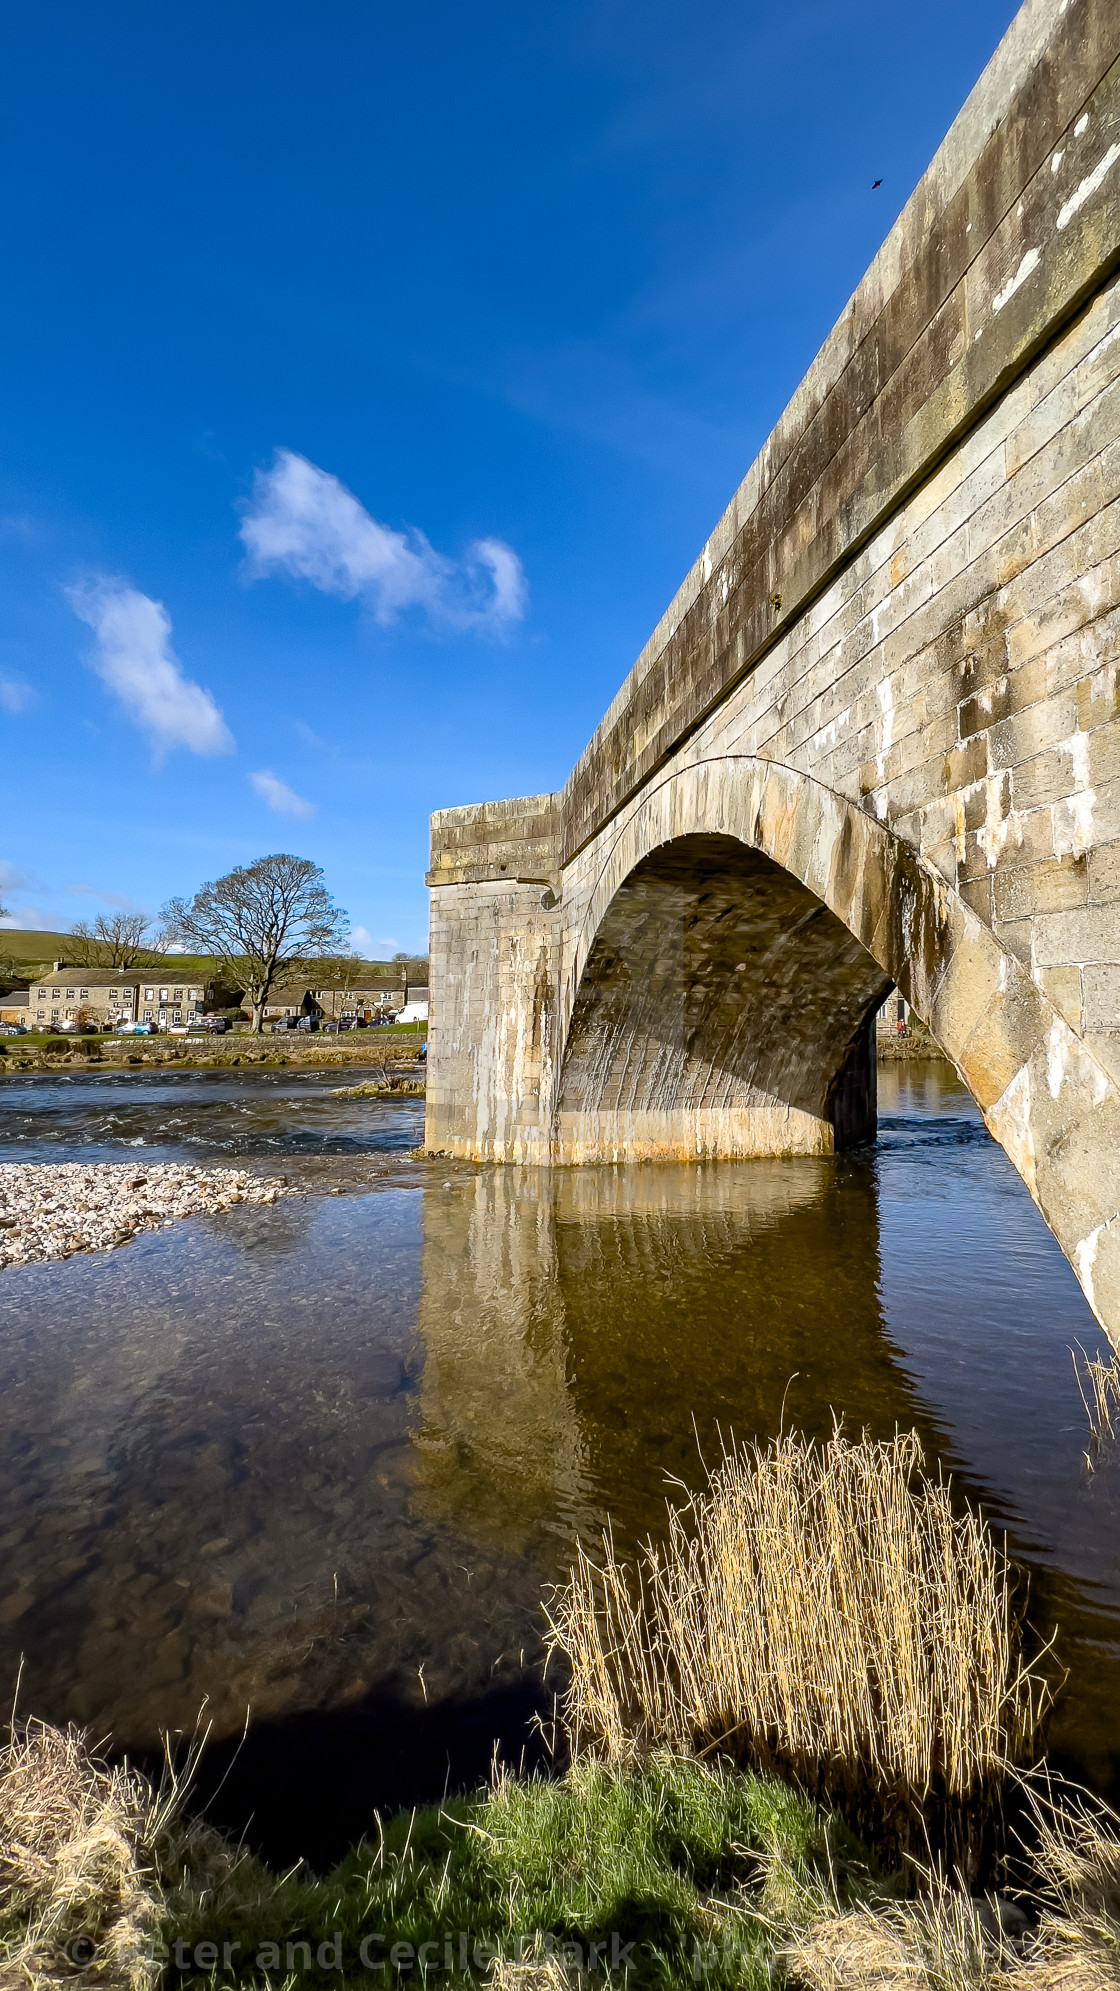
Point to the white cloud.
(135, 659)
(15, 696)
(304, 522)
(32, 919)
(14, 879)
(362, 942)
(78, 890)
(280, 797)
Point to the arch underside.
(741, 927)
(723, 1010)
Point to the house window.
(54, 1016)
(148, 994)
(163, 995)
(112, 994)
(178, 995)
(56, 993)
(176, 1016)
(147, 1016)
(83, 992)
(40, 1012)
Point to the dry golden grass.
(70, 1868)
(1099, 1384)
(84, 1847)
(948, 1941)
(544, 1973)
(814, 1605)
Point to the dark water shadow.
(308, 1787)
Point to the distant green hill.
(25, 944)
(31, 950)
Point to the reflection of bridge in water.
(575, 1322)
(874, 740)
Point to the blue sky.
(369, 378)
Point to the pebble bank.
(52, 1209)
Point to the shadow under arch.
(648, 1003)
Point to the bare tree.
(259, 921)
(123, 940)
(11, 971)
(335, 975)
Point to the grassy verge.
(667, 1873)
(664, 1873)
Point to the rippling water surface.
(318, 1460)
(204, 1115)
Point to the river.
(316, 1462)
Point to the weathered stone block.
(1004, 1038)
(1055, 886)
(1062, 987)
(1104, 875)
(1037, 782)
(1101, 984)
(1089, 935)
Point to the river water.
(317, 1461)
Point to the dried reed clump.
(83, 1848)
(818, 1609)
(948, 1941)
(72, 1883)
(1100, 1393)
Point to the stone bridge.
(875, 739)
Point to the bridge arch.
(741, 924)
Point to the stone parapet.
(490, 842)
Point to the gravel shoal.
(52, 1209)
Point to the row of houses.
(111, 997)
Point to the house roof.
(117, 978)
(87, 978)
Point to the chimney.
(57, 967)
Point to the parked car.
(136, 1030)
(215, 1023)
(413, 1012)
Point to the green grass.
(670, 1873)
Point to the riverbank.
(218, 1054)
(425, 1395)
(915, 1046)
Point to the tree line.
(259, 924)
